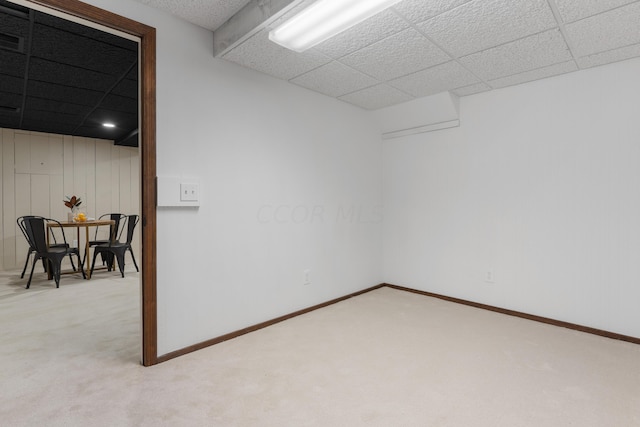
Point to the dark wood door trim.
(147, 37)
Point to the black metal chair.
(31, 249)
(115, 232)
(35, 228)
(118, 249)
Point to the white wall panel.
(2, 239)
(540, 187)
(89, 200)
(104, 188)
(8, 243)
(57, 209)
(56, 154)
(40, 195)
(125, 181)
(22, 205)
(39, 153)
(80, 159)
(67, 164)
(22, 152)
(115, 178)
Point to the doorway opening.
(72, 10)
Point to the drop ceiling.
(422, 47)
(61, 77)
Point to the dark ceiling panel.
(84, 31)
(11, 122)
(15, 26)
(105, 58)
(10, 84)
(127, 88)
(12, 63)
(69, 76)
(59, 93)
(47, 126)
(37, 105)
(11, 100)
(120, 103)
(77, 77)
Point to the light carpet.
(70, 357)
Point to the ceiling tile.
(334, 79)
(572, 10)
(434, 80)
(471, 89)
(395, 56)
(370, 31)
(533, 52)
(12, 64)
(482, 24)
(540, 73)
(10, 84)
(375, 97)
(610, 30)
(261, 54)
(419, 10)
(69, 76)
(609, 56)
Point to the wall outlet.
(489, 277)
(307, 276)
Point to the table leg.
(46, 263)
(86, 252)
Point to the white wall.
(539, 185)
(290, 180)
(39, 169)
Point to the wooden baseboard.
(541, 319)
(262, 325)
(258, 326)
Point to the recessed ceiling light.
(325, 19)
(108, 125)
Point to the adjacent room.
(429, 218)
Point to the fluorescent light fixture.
(323, 20)
(108, 125)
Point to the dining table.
(80, 225)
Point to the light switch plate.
(172, 194)
(189, 192)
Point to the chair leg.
(35, 260)
(56, 272)
(93, 264)
(72, 264)
(55, 266)
(120, 257)
(26, 262)
(81, 265)
(134, 260)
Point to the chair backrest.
(115, 231)
(35, 231)
(132, 221)
(22, 226)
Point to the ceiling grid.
(68, 78)
(410, 49)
